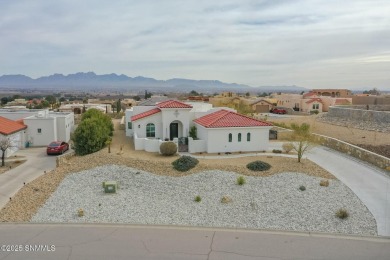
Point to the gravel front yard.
(273, 202)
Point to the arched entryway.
(175, 129)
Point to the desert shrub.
(258, 166)
(276, 151)
(287, 147)
(226, 199)
(314, 112)
(342, 213)
(241, 180)
(324, 183)
(302, 188)
(198, 199)
(168, 148)
(185, 163)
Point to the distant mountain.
(91, 81)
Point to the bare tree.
(5, 143)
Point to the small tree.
(193, 132)
(302, 139)
(5, 143)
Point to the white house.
(15, 132)
(219, 129)
(43, 126)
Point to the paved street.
(157, 242)
(12, 180)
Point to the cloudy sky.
(309, 43)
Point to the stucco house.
(43, 126)
(15, 132)
(218, 129)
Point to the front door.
(173, 130)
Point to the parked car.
(279, 111)
(57, 147)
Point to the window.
(129, 125)
(248, 137)
(150, 131)
(316, 106)
(230, 138)
(239, 137)
(39, 131)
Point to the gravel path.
(273, 202)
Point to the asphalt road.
(12, 181)
(69, 241)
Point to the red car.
(57, 147)
(279, 111)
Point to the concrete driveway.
(12, 180)
(369, 183)
(72, 241)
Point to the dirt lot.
(347, 134)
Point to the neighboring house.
(79, 108)
(310, 101)
(43, 126)
(15, 131)
(261, 106)
(219, 129)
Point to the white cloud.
(307, 42)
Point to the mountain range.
(92, 81)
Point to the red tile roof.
(313, 100)
(342, 101)
(309, 94)
(225, 118)
(173, 104)
(145, 114)
(8, 126)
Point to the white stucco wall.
(170, 115)
(217, 139)
(139, 126)
(196, 146)
(48, 128)
(128, 115)
(64, 125)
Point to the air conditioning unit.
(110, 186)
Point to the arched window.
(150, 130)
(239, 137)
(230, 138)
(248, 137)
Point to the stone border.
(355, 151)
(356, 114)
(63, 158)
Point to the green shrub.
(168, 148)
(342, 213)
(241, 180)
(258, 166)
(185, 163)
(302, 188)
(287, 147)
(314, 112)
(198, 199)
(276, 151)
